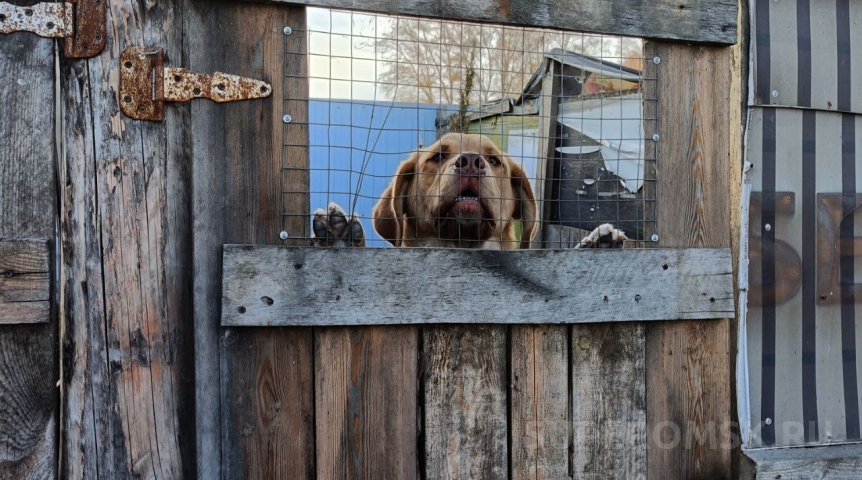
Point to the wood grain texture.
(28, 209)
(608, 401)
(825, 462)
(366, 383)
(709, 21)
(254, 389)
(464, 408)
(25, 281)
(125, 269)
(688, 380)
(310, 286)
(539, 411)
(267, 410)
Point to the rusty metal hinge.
(80, 23)
(145, 84)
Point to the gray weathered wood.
(254, 388)
(25, 282)
(28, 209)
(309, 286)
(126, 266)
(608, 401)
(465, 424)
(366, 382)
(688, 379)
(706, 21)
(539, 413)
(825, 462)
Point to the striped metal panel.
(803, 54)
(803, 365)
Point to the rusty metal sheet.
(90, 28)
(181, 85)
(145, 84)
(44, 19)
(81, 24)
(138, 67)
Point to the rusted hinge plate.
(81, 23)
(145, 84)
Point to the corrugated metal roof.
(584, 63)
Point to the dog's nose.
(470, 164)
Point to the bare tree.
(427, 61)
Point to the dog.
(461, 192)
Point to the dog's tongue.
(467, 207)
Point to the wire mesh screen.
(427, 132)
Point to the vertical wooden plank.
(28, 353)
(608, 401)
(126, 273)
(539, 417)
(254, 387)
(689, 374)
(366, 389)
(546, 163)
(465, 422)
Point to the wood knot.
(9, 273)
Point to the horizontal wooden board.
(704, 21)
(25, 281)
(269, 286)
(832, 461)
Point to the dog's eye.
(494, 160)
(437, 157)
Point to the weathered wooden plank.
(465, 424)
(688, 380)
(539, 418)
(309, 286)
(546, 161)
(254, 388)
(825, 462)
(125, 267)
(28, 208)
(707, 21)
(366, 390)
(25, 282)
(608, 401)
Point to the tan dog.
(462, 191)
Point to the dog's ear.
(388, 214)
(525, 204)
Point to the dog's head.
(460, 192)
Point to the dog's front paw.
(332, 228)
(605, 236)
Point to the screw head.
(767, 227)
(288, 30)
(287, 118)
(655, 137)
(654, 237)
(656, 60)
(283, 235)
(768, 421)
(775, 94)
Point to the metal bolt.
(768, 421)
(656, 60)
(288, 30)
(283, 235)
(654, 237)
(287, 118)
(767, 227)
(775, 94)
(655, 137)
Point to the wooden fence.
(134, 376)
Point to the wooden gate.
(134, 376)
